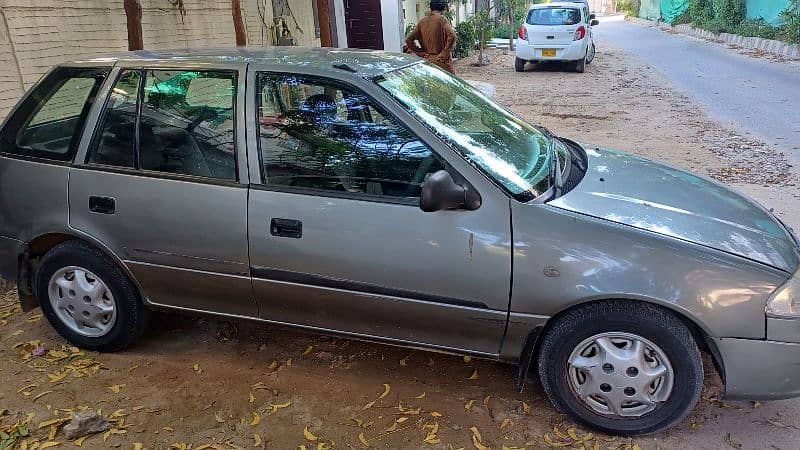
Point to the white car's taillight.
(580, 33)
(523, 33)
(785, 302)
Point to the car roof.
(575, 4)
(366, 63)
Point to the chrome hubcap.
(82, 301)
(620, 374)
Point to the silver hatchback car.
(373, 195)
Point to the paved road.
(753, 94)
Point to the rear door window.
(170, 121)
(554, 16)
(49, 122)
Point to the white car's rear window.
(554, 16)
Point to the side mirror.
(594, 22)
(592, 16)
(440, 192)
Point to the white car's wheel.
(590, 56)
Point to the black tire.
(131, 315)
(660, 326)
(519, 64)
(580, 65)
(591, 55)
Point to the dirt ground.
(197, 382)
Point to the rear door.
(160, 183)
(553, 25)
(337, 238)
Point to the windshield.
(514, 153)
(554, 16)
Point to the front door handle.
(102, 205)
(286, 228)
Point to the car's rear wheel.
(620, 367)
(88, 299)
(590, 56)
(519, 64)
(580, 65)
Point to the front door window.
(320, 135)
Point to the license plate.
(548, 52)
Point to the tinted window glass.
(554, 16)
(321, 135)
(48, 123)
(187, 123)
(115, 142)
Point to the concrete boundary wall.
(37, 34)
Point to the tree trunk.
(511, 26)
(324, 15)
(133, 14)
(238, 23)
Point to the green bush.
(790, 30)
(467, 36)
(502, 31)
(729, 14)
(629, 7)
(758, 28)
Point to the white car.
(558, 31)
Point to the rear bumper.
(760, 370)
(10, 250)
(533, 51)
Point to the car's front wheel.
(88, 299)
(623, 368)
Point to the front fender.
(563, 258)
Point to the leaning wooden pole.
(238, 23)
(133, 14)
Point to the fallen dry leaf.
(474, 375)
(116, 388)
(477, 440)
(386, 390)
(309, 349)
(469, 404)
(309, 435)
(257, 440)
(256, 419)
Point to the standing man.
(435, 37)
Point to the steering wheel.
(203, 113)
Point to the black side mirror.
(592, 16)
(594, 22)
(440, 192)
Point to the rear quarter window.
(49, 121)
(554, 16)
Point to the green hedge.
(729, 16)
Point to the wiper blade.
(556, 166)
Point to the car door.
(159, 184)
(337, 239)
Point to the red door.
(364, 28)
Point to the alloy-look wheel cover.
(82, 301)
(620, 375)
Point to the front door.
(337, 238)
(364, 27)
(159, 185)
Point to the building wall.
(36, 34)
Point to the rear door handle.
(286, 228)
(102, 205)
